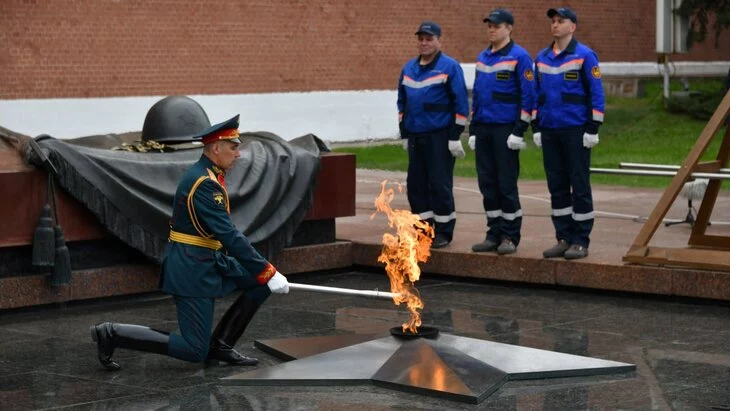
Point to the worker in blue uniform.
(206, 258)
(502, 103)
(570, 107)
(432, 109)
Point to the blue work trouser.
(498, 168)
(431, 180)
(195, 319)
(567, 166)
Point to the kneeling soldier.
(206, 258)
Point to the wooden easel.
(704, 251)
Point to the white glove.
(537, 138)
(405, 144)
(515, 143)
(590, 140)
(457, 150)
(278, 284)
(473, 142)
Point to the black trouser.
(567, 166)
(431, 180)
(498, 168)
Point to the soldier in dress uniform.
(207, 257)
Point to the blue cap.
(563, 12)
(500, 16)
(429, 27)
(227, 130)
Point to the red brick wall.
(98, 48)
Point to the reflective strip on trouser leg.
(567, 165)
(444, 218)
(579, 163)
(558, 181)
(195, 319)
(486, 166)
(427, 215)
(430, 180)
(508, 167)
(498, 169)
(416, 180)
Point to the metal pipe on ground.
(657, 173)
(661, 167)
(343, 291)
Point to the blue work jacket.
(569, 88)
(432, 97)
(504, 88)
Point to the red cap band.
(221, 135)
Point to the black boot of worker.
(109, 336)
(229, 330)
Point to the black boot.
(109, 336)
(229, 330)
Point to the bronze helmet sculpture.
(174, 119)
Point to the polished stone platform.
(443, 365)
(680, 348)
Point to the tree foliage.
(700, 14)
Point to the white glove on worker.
(405, 144)
(515, 143)
(473, 142)
(590, 140)
(457, 150)
(278, 284)
(537, 138)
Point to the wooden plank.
(710, 197)
(710, 241)
(670, 194)
(707, 167)
(683, 257)
(637, 251)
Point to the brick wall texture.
(101, 48)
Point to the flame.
(402, 253)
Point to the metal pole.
(657, 173)
(645, 166)
(666, 80)
(343, 291)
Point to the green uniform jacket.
(201, 209)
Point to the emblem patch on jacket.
(529, 75)
(218, 198)
(596, 72)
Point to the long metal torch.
(343, 291)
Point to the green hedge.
(699, 105)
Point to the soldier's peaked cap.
(227, 130)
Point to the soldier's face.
(227, 154)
